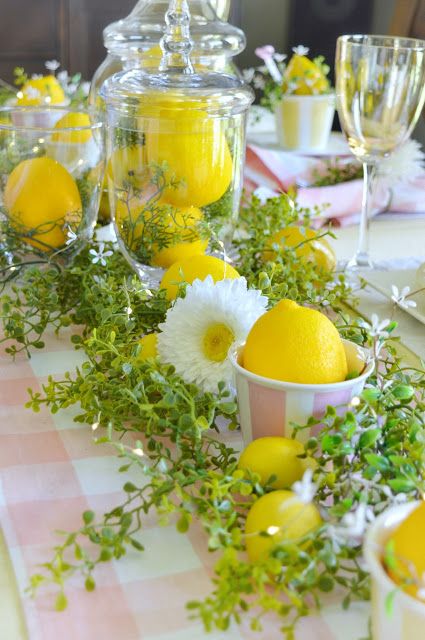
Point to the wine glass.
(380, 89)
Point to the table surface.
(50, 472)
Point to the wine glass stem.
(362, 257)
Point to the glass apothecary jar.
(176, 146)
(51, 172)
(133, 42)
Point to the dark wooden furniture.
(33, 31)
(408, 19)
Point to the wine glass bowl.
(380, 89)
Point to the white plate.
(382, 281)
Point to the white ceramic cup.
(268, 407)
(304, 123)
(406, 620)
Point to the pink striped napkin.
(279, 170)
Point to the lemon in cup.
(292, 343)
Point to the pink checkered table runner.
(50, 472)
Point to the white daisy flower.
(305, 489)
(403, 165)
(300, 50)
(399, 297)
(200, 329)
(52, 65)
(100, 254)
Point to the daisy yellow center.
(217, 341)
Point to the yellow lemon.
(316, 250)
(74, 122)
(195, 150)
(38, 91)
(40, 196)
(295, 344)
(307, 76)
(283, 516)
(195, 267)
(275, 456)
(407, 541)
(127, 168)
(149, 344)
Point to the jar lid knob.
(176, 43)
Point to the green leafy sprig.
(167, 431)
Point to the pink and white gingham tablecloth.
(50, 472)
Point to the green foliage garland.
(168, 431)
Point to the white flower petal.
(227, 302)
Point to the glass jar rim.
(96, 122)
(216, 91)
(361, 40)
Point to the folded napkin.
(277, 171)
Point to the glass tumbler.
(51, 170)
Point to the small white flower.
(32, 93)
(85, 88)
(280, 57)
(377, 327)
(305, 489)
(352, 527)
(72, 236)
(421, 590)
(399, 297)
(200, 329)
(72, 88)
(248, 74)
(63, 77)
(259, 82)
(300, 50)
(36, 76)
(262, 68)
(403, 165)
(100, 254)
(52, 65)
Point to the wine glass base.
(360, 262)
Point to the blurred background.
(33, 31)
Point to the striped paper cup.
(303, 123)
(405, 619)
(268, 407)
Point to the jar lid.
(217, 94)
(144, 27)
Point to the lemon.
(195, 150)
(295, 344)
(38, 91)
(275, 456)
(126, 167)
(407, 541)
(73, 121)
(40, 196)
(195, 267)
(149, 344)
(281, 514)
(307, 76)
(317, 250)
